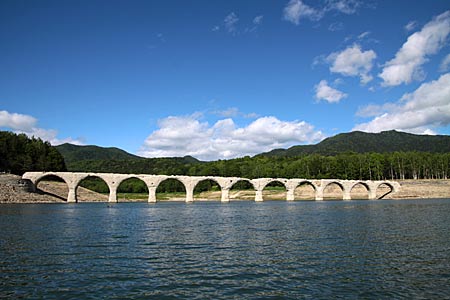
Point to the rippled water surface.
(240, 250)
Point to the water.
(240, 250)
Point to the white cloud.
(187, 135)
(296, 10)
(258, 20)
(353, 62)
(411, 26)
(363, 35)
(336, 26)
(230, 22)
(445, 64)
(406, 66)
(233, 112)
(27, 124)
(344, 6)
(427, 107)
(327, 93)
(16, 121)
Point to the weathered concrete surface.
(226, 183)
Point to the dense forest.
(361, 166)
(19, 153)
(364, 142)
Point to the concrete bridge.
(225, 183)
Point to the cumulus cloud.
(20, 123)
(16, 121)
(296, 10)
(187, 135)
(445, 64)
(417, 112)
(353, 62)
(327, 93)
(406, 66)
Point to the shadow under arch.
(333, 191)
(360, 191)
(305, 190)
(171, 189)
(52, 185)
(242, 189)
(132, 189)
(274, 190)
(383, 190)
(207, 189)
(92, 188)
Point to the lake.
(378, 249)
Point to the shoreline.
(55, 192)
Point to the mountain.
(363, 142)
(75, 153)
(115, 160)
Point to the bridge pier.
(225, 195)
(151, 194)
(189, 195)
(319, 194)
(112, 196)
(259, 196)
(290, 194)
(72, 195)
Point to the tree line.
(351, 166)
(19, 154)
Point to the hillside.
(115, 160)
(75, 153)
(362, 142)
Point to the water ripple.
(271, 250)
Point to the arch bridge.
(113, 181)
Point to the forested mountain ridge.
(74, 153)
(363, 142)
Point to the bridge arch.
(131, 188)
(382, 189)
(198, 188)
(360, 190)
(242, 189)
(95, 183)
(330, 191)
(302, 190)
(41, 186)
(278, 186)
(167, 185)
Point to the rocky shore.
(15, 190)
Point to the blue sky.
(222, 79)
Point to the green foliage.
(73, 153)
(19, 154)
(95, 184)
(363, 142)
